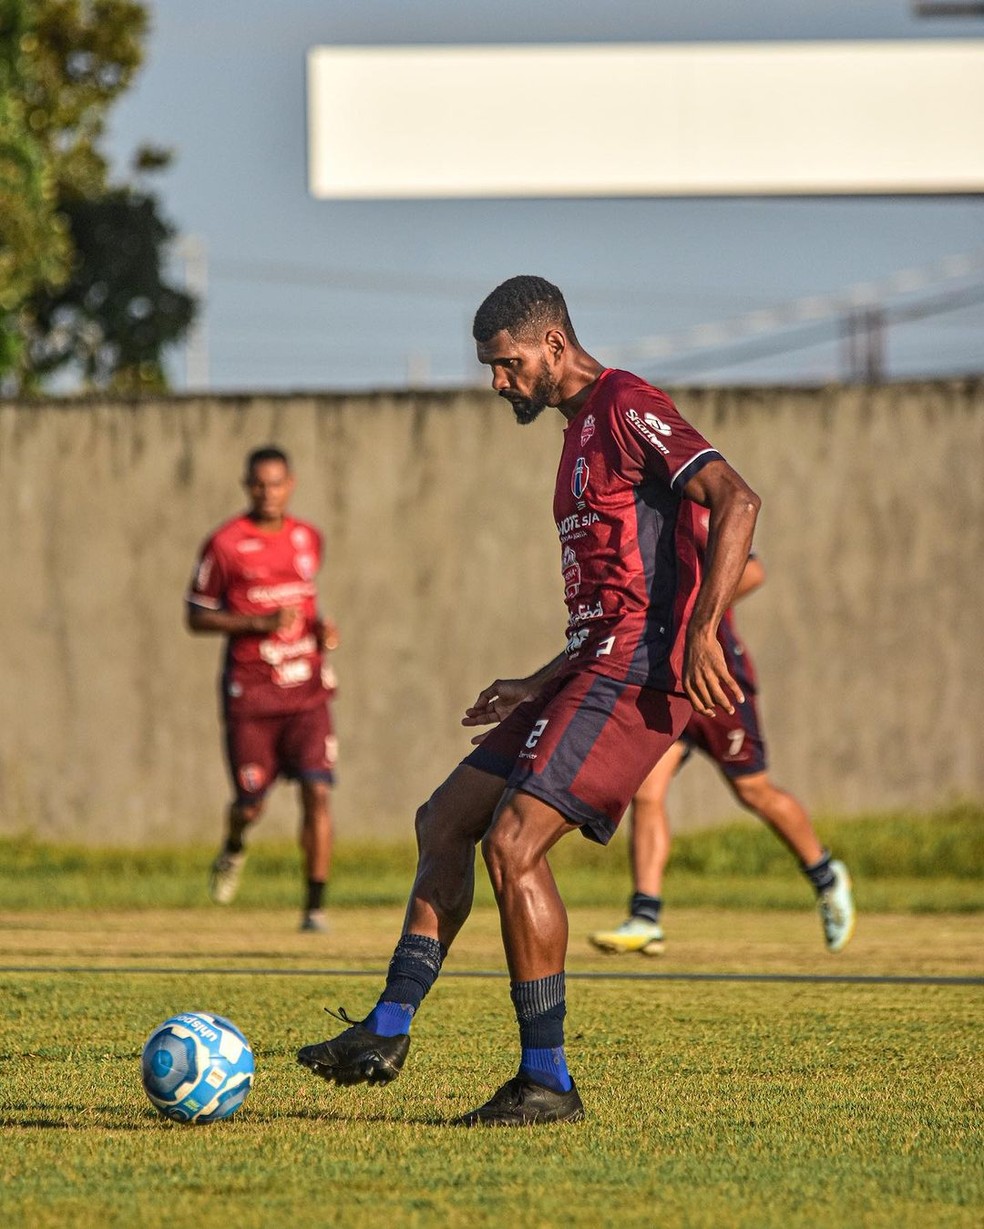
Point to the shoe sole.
(654, 947)
(471, 1121)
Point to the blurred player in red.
(254, 584)
(575, 740)
(735, 743)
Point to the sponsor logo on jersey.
(246, 545)
(572, 572)
(657, 424)
(579, 478)
(587, 429)
(290, 673)
(647, 432)
(280, 595)
(274, 652)
(576, 641)
(577, 520)
(586, 611)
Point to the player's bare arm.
(498, 700)
(326, 632)
(752, 578)
(734, 507)
(229, 623)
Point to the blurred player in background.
(254, 584)
(576, 739)
(735, 743)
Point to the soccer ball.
(197, 1067)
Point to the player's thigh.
(592, 746)
(251, 755)
(654, 788)
(460, 808)
(307, 746)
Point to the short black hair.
(522, 306)
(269, 452)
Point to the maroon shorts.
(300, 745)
(584, 746)
(732, 740)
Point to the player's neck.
(578, 385)
(266, 524)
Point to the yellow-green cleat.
(634, 935)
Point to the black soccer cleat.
(522, 1103)
(358, 1055)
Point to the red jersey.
(735, 654)
(247, 570)
(628, 552)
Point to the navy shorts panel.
(733, 741)
(299, 745)
(584, 746)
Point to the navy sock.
(820, 874)
(646, 907)
(413, 970)
(315, 895)
(540, 1010)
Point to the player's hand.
(497, 701)
(326, 633)
(706, 678)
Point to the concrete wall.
(443, 572)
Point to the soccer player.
(254, 584)
(576, 739)
(735, 743)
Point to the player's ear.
(555, 342)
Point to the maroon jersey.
(628, 552)
(248, 571)
(735, 654)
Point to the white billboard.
(700, 119)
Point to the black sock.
(315, 894)
(820, 874)
(646, 907)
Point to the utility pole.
(863, 338)
(191, 250)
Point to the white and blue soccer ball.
(197, 1067)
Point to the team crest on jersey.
(579, 478)
(251, 778)
(306, 565)
(587, 429)
(572, 572)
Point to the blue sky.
(306, 294)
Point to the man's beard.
(528, 409)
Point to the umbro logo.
(657, 424)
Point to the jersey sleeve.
(656, 440)
(207, 588)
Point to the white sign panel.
(647, 120)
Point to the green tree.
(90, 291)
(34, 248)
(115, 314)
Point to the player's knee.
(753, 791)
(504, 848)
(315, 793)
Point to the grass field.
(710, 1103)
